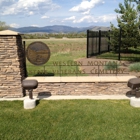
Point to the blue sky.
(75, 13)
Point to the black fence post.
(87, 43)
(109, 41)
(119, 56)
(99, 51)
(60, 70)
(24, 47)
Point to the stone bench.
(30, 85)
(134, 84)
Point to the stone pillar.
(12, 70)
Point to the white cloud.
(14, 25)
(70, 18)
(90, 18)
(107, 18)
(55, 21)
(44, 17)
(86, 12)
(27, 7)
(85, 6)
(31, 13)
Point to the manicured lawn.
(132, 54)
(70, 120)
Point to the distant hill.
(97, 28)
(57, 29)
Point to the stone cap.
(79, 79)
(9, 32)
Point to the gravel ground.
(90, 66)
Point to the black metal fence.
(97, 42)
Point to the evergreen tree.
(129, 22)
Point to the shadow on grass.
(130, 51)
(37, 102)
(133, 56)
(134, 59)
(42, 95)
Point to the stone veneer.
(84, 85)
(11, 64)
(12, 72)
(81, 88)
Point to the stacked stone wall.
(80, 88)
(11, 66)
(12, 72)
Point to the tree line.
(54, 35)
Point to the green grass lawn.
(68, 51)
(62, 50)
(132, 54)
(70, 120)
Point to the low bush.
(135, 67)
(111, 66)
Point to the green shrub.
(111, 65)
(135, 67)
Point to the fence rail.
(97, 42)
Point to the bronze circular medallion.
(38, 53)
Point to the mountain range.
(58, 29)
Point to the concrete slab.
(52, 79)
(89, 79)
(29, 103)
(9, 32)
(124, 78)
(99, 97)
(70, 97)
(39, 79)
(80, 79)
(135, 102)
(108, 79)
(84, 79)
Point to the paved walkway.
(66, 97)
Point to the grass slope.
(70, 120)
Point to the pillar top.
(9, 32)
